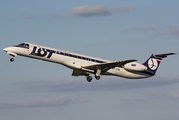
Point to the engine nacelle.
(133, 66)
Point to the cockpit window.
(21, 44)
(24, 45)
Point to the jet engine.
(133, 66)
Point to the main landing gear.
(89, 78)
(97, 75)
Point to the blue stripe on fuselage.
(79, 57)
(43, 52)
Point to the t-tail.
(153, 62)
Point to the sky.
(109, 29)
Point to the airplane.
(83, 65)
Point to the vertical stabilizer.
(154, 60)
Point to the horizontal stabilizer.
(164, 55)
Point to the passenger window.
(133, 64)
(83, 58)
(70, 55)
(93, 60)
(61, 53)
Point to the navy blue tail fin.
(154, 60)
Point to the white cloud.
(174, 33)
(168, 30)
(175, 95)
(83, 11)
(58, 101)
(88, 11)
(83, 85)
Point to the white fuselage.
(72, 60)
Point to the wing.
(106, 66)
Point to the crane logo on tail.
(153, 63)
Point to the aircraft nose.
(6, 49)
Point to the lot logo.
(42, 52)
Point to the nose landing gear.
(12, 59)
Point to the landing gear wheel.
(89, 78)
(97, 77)
(12, 59)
